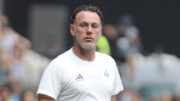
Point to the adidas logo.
(79, 78)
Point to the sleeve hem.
(117, 91)
(40, 91)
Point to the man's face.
(86, 29)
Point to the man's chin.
(88, 47)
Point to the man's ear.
(72, 29)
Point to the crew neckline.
(79, 59)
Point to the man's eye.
(94, 26)
(82, 25)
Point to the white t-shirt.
(69, 78)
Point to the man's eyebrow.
(83, 22)
(93, 23)
(96, 23)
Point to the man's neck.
(87, 55)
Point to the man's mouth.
(89, 39)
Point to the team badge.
(106, 73)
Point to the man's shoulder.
(104, 56)
(63, 57)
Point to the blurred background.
(141, 35)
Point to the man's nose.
(89, 30)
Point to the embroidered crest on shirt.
(79, 78)
(106, 74)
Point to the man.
(81, 73)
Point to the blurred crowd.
(151, 77)
(21, 67)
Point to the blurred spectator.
(167, 96)
(12, 48)
(28, 95)
(17, 89)
(128, 42)
(7, 41)
(17, 64)
(130, 96)
(176, 98)
(111, 33)
(5, 93)
(103, 45)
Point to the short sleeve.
(117, 83)
(50, 83)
